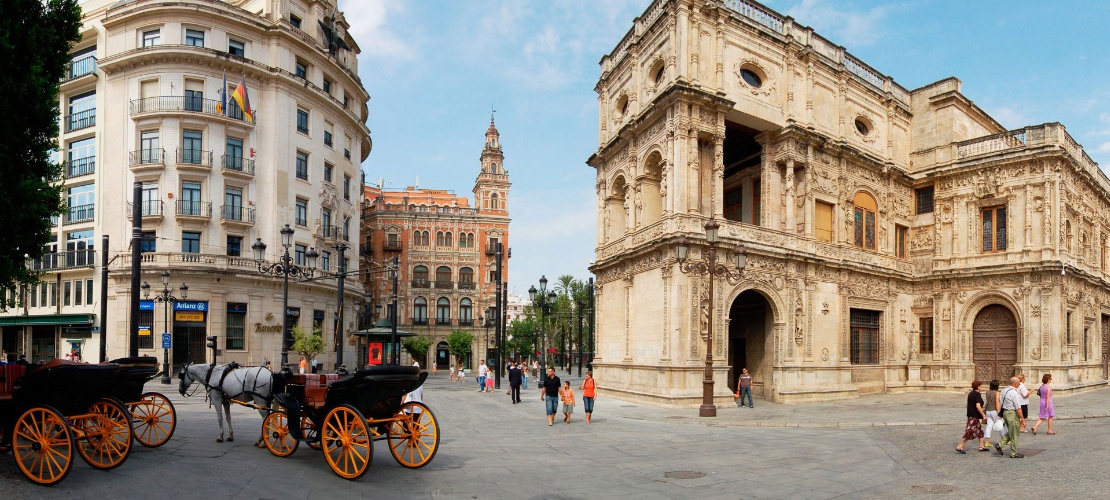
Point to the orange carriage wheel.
(348, 446)
(107, 434)
(154, 419)
(275, 433)
(311, 433)
(42, 445)
(413, 435)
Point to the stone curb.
(709, 422)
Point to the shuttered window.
(823, 221)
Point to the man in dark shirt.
(514, 382)
(549, 393)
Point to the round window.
(861, 126)
(751, 78)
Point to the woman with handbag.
(975, 417)
(994, 402)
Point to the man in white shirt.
(1015, 418)
(483, 370)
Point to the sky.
(435, 69)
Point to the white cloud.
(841, 26)
(372, 23)
(1103, 148)
(1009, 117)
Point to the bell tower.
(491, 188)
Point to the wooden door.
(994, 344)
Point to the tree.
(523, 337)
(307, 344)
(35, 37)
(417, 347)
(458, 344)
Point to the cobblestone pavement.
(883, 446)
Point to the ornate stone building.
(446, 250)
(896, 239)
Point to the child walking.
(567, 395)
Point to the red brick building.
(445, 248)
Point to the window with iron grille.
(146, 318)
(302, 165)
(994, 229)
(925, 342)
(236, 325)
(864, 326)
(924, 199)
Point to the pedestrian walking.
(992, 407)
(462, 374)
(566, 394)
(302, 365)
(483, 370)
(489, 382)
(1015, 419)
(1024, 392)
(589, 392)
(549, 394)
(515, 376)
(524, 376)
(744, 388)
(975, 417)
(315, 367)
(266, 363)
(1047, 411)
(452, 373)
(535, 371)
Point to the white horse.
(223, 385)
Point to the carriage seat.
(315, 387)
(9, 373)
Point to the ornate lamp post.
(542, 301)
(165, 298)
(711, 268)
(284, 268)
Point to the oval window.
(861, 127)
(751, 78)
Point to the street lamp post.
(340, 247)
(711, 268)
(166, 299)
(284, 268)
(543, 301)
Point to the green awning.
(49, 319)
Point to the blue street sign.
(166, 341)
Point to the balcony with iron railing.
(81, 67)
(237, 214)
(330, 232)
(419, 321)
(60, 261)
(444, 284)
(80, 213)
(186, 104)
(147, 208)
(142, 158)
(421, 283)
(197, 209)
(237, 165)
(392, 246)
(80, 120)
(467, 285)
(79, 167)
(194, 158)
(443, 321)
(466, 322)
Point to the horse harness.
(232, 366)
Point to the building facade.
(896, 239)
(446, 252)
(142, 103)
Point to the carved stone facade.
(896, 239)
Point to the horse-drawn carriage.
(344, 416)
(47, 412)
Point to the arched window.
(470, 240)
(416, 237)
(466, 278)
(865, 220)
(427, 239)
(443, 277)
(439, 238)
(420, 311)
(447, 239)
(493, 168)
(493, 202)
(443, 311)
(420, 277)
(464, 312)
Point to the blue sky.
(434, 68)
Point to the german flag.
(240, 97)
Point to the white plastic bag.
(999, 427)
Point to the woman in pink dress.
(1047, 411)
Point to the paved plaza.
(883, 446)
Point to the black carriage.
(152, 414)
(47, 412)
(344, 416)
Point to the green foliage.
(35, 39)
(418, 347)
(458, 344)
(307, 344)
(523, 337)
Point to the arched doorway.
(443, 358)
(994, 343)
(749, 343)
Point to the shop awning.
(49, 319)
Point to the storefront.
(190, 326)
(41, 338)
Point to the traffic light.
(211, 342)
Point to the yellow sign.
(188, 316)
(144, 332)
